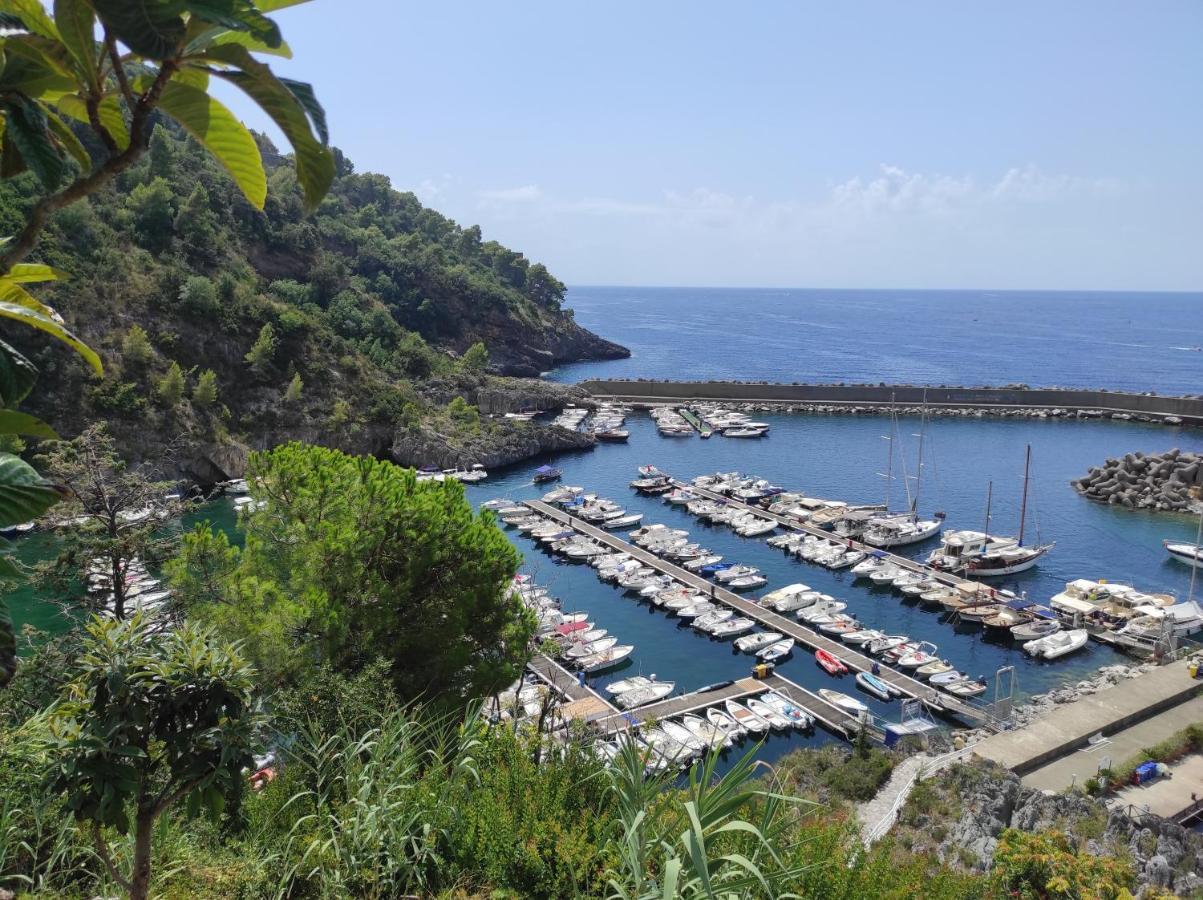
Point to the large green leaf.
(17, 376)
(14, 422)
(24, 494)
(32, 15)
(68, 141)
(221, 134)
(28, 67)
(32, 273)
(109, 113)
(37, 320)
(303, 91)
(12, 292)
(237, 15)
(77, 28)
(26, 126)
(273, 5)
(151, 28)
(314, 161)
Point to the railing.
(929, 767)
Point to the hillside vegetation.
(223, 328)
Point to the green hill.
(367, 305)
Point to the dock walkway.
(906, 685)
(582, 702)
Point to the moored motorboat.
(869, 682)
(1191, 554)
(848, 704)
(1057, 644)
(750, 643)
(745, 718)
(831, 663)
(777, 650)
(775, 719)
(796, 716)
(725, 724)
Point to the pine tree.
(204, 394)
(171, 386)
(260, 356)
(476, 358)
(195, 222)
(293, 392)
(135, 346)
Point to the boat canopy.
(544, 469)
(1022, 603)
(1073, 603)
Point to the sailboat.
(983, 555)
(892, 530)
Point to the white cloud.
(527, 193)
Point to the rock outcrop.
(983, 799)
(1138, 481)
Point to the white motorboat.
(694, 565)
(747, 582)
(622, 522)
(886, 575)
(848, 704)
(732, 627)
(777, 650)
(898, 531)
(724, 723)
(708, 733)
(796, 716)
(750, 643)
(630, 684)
(1191, 554)
(792, 601)
(766, 712)
(683, 735)
(704, 623)
(745, 718)
(582, 650)
(726, 575)
(643, 695)
(823, 610)
(607, 659)
(867, 567)
(1035, 629)
(922, 655)
(883, 644)
(935, 667)
(847, 558)
(864, 636)
(1058, 644)
(497, 503)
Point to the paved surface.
(1123, 744)
(871, 813)
(1070, 726)
(1167, 797)
(911, 687)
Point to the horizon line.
(753, 287)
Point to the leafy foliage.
(204, 393)
(353, 559)
(1043, 865)
(171, 386)
(151, 719)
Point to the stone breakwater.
(1138, 481)
(963, 412)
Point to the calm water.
(840, 457)
(1128, 341)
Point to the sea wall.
(1010, 400)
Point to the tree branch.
(41, 212)
(102, 849)
(110, 44)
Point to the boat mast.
(989, 497)
(1194, 569)
(919, 471)
(1023, 506)
(890, 453)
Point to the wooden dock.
(692, 418)
(906, 685)
(581, 701)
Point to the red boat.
(831, 663)
(573, 627)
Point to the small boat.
(647, 694)
(732, 627)
(770, 715)
(745, 718)
(868, 566)
(840, 625)
(869, 682)
(776, 650)
(850, 705)
(1035, 629)
(731, 573)
(823, 610)
(845, 559)
(1190, 554)
(497, 504)
(889, 642)
(683, 735)
(797, 717)
(885, 575)
(582, 650)
(966, 687)
(830, 662)
(704, 623)
(724, 723)
(750, 643)
(709, 734)
(701, 608)
(746, 582)
(612, 435)
(544, 474)
(1058, 644)
(920, 656)
(935, 667)
(701, 562)
(607, 659)
(864, 636)
(946, 678)
(629, 684)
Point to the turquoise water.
(1122, 341)
(840, 457)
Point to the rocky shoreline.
(1154, 481)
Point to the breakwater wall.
(847, 397)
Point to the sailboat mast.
(1194, 570)
(890, 452)
(989, 497)
(919, 470)
(1023, 506)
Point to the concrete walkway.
(1167, 797)
(884, 805)
(1069, 727)
(1120, 746)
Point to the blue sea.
(1123, 341)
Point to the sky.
(1021, 145)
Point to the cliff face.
(345, 328)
